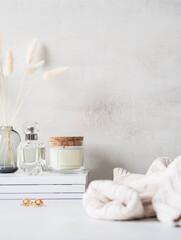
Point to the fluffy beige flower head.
(8, 66)
(54, 73)
(31, 51)
(34, 68)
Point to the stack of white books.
(44, 186)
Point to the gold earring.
(39, 202)
(26, 202)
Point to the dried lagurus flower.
(8, 66)
(54, 73)
(34, 68)
(31, 51)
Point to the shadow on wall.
(101, 163)
(44, 54)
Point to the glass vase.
(9, 141)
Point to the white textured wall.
(123, 87)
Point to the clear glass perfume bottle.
(31, 153)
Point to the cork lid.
(52, 139)
(66, 141)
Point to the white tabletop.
(66, 220)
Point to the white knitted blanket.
(134, 196)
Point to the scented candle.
(66, 154)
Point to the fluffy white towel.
(147, 185)
(167, 201)
(130, 195)
(140, 181)
(112, 201)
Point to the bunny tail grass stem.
(21, 103)
(3, 101)
(9, 98)
(2, 123)
(0, 41)
(19, 93)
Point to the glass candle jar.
(66, 154)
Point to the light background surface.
(123, 87)
(54, 220)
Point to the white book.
(42, 188)
(44, 178)
(44, 196)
